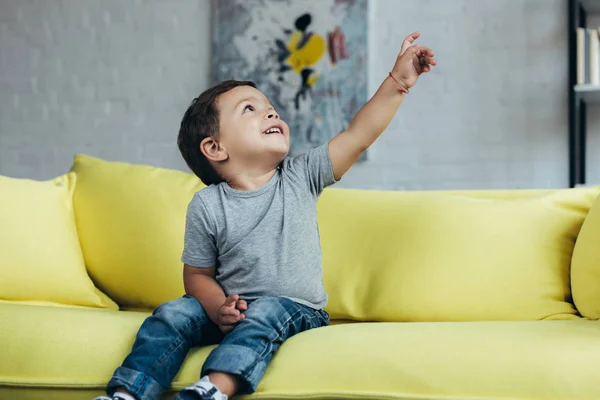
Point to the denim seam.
(268, 346)
(140, 387)
(137, 382)
(279, 333)
(175, 345)
(143, 385)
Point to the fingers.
(231, 300)
(414, 59)
(425, 60)
(230, 311)
(228, 320)
(410, 39)
(420, 51)
(230, 317)
(241, 305)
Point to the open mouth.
(273, 129)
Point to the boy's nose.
(272, 114)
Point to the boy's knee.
(181, 313)
(269, 308)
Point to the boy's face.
(250, 128)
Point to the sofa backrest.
(131, 221)
(387, 256)
(450, 256)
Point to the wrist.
(400, 85)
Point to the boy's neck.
(250, 181)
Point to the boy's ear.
(213, 150)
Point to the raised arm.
(376, 114)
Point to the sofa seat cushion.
(59, 353)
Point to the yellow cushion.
(585, 269)
(40, 255)
(393, 256)
(47, 353)
(131, 222)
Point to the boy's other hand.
(230, 313)
(412, 61)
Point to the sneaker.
(116, 396)
(203, 390)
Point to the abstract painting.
(309, 57)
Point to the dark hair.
(201, 120)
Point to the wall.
(112, 78)
(108, 78)
(493, 114)
(593, 120)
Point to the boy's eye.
(248, 108)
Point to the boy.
(252, 258)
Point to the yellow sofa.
(433, 295)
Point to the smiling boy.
(252, 259)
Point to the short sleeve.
(315, 167)
(199, 243)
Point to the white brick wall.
(112, 78)
(493, 114)
(109, 78)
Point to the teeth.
(273, 130)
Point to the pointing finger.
(410, 39)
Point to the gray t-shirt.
(264, 242)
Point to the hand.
(412, 61)
(230, 313)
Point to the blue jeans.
(165, 338)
